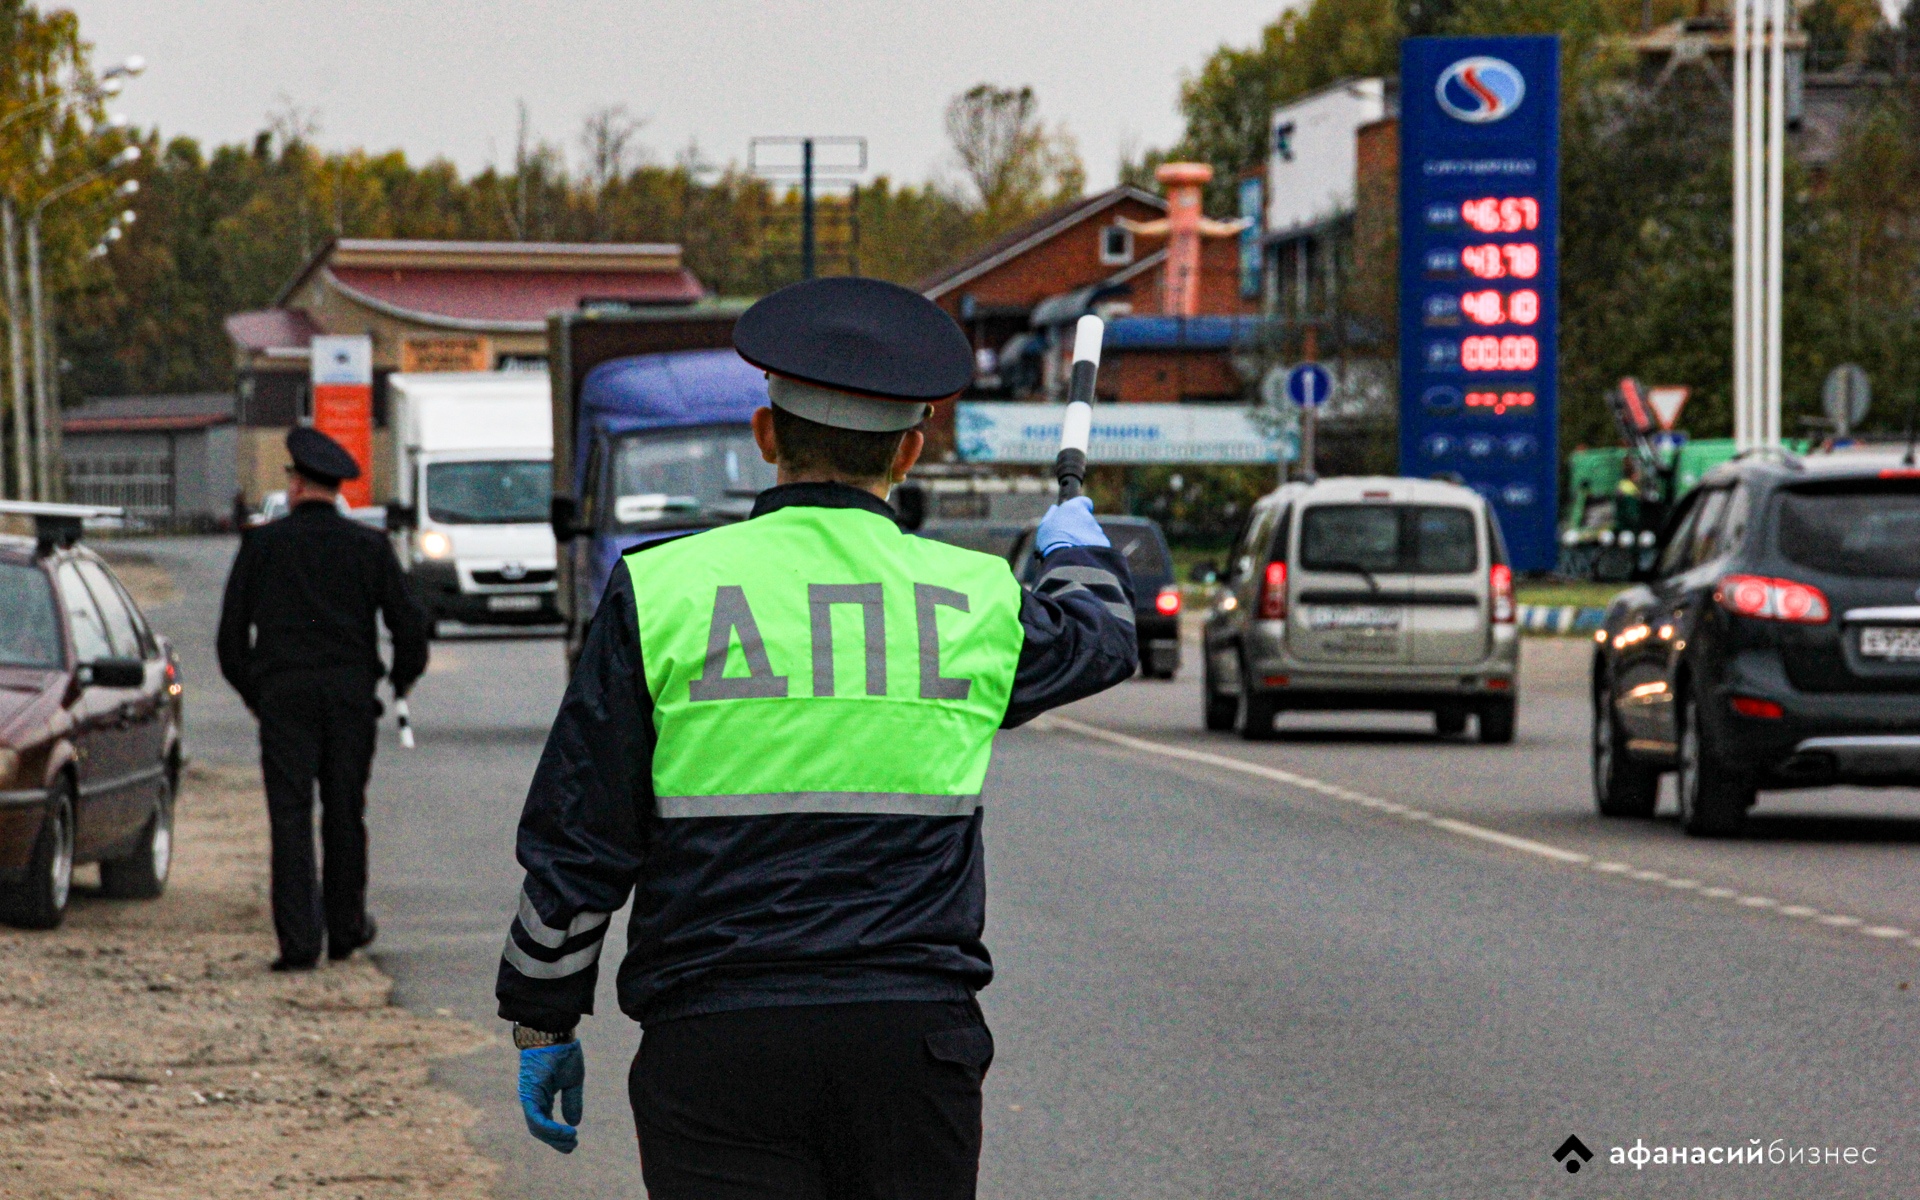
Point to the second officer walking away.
(775, 742)
(299, 642)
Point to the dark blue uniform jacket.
(762, 911)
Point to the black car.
(1156, 596)
(1776, 645)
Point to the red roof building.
(427, 306)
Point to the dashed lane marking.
(1453, 825)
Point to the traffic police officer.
(775, 740)
(298, 642)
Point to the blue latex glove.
(544, 1071)
(1069, 524)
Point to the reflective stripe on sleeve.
(560, 968)
(1097, 582)
(546, 934)
(765, 804)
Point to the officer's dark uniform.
(298, 642)
(805, 979)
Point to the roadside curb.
(1560, 619)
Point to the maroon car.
(90, 704)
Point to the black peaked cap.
(857, 335)
(320, 457)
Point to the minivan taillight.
(1500, 592)
(1772, 599)
(1273, 592)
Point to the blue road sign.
(1479, 274)
(1309, 384)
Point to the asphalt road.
(1357, 961)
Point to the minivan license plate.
(512, 603)
(1901, 644)
(1353, 616)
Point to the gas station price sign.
(1479, 215)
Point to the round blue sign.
(1309, 384)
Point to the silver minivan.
(1365, 593)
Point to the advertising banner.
(994, 432)
(343, 405)
(1479, 273)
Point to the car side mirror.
(113, 673)
(1204, 572)
(562, 511)
(910, 503)
(401, 517)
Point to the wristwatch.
(525, 1038)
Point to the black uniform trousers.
(318, 727)
(870, 1101)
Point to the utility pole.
(1759, 155)
(16, 348)
(42, 405)
(806, 208)
(817, 164)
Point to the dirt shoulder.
(146, 1050)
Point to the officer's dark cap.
(320, 458)
(863, 336)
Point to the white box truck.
(473, 474)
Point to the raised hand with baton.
(1070, 521)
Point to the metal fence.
(141, 484)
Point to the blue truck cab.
(651, 438)
(665, 448)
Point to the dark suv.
(1156, 597)
(1777, 644)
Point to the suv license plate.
(512, 603)
(1353, 616)
(1901, 644)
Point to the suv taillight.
(1500, 592)
(1772, 599)
(1167, 601)
(1273, 592)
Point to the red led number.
(1499, 353)
(1499, 402)
(1483, 308)
(1491, 308)
(1501, 214)
(1518, 259)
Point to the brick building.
(1015, 296)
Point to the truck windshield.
(488, 493)
(29, 630)
(656, 475)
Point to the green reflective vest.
(819, 660)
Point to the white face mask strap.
(843, 410)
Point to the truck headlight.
(434, 544)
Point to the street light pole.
(16, 335)
(42, 420)
(45, 406)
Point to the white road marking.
(1524, 845)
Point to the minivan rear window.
(1871, 530)
(1401, 539)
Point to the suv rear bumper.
(1892, 757)
(1869, 739)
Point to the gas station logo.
(1480, 90)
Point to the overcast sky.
(441, 77)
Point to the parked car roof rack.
(58, 525)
